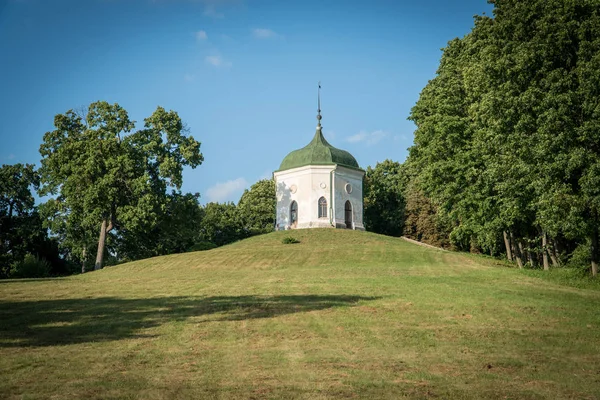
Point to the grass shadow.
(71, 321)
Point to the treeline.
(112, 195)
(506, 156)
(29, 249)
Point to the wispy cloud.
(262, 33)
(226, 191)
(370, 138)
(201, 35)
(189, 77)
(217, 61)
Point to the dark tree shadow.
(69, 321)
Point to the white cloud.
(262, 33)
(217, 61)
(201, 35)
(370, 138)
(189, 77)
(225, 191)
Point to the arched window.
(322, 207)
(348, 214)
(293, 214)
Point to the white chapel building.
(319, 186)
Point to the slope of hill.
(341, 314)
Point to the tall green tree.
(21, 230)
(507, 132)
(107, 177)
(384, 201)
(221, 224)
(446, 168)
(422, 219)
(178, 227)
(256, 207)
(18, 227)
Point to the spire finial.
(319, 106)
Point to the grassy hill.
(341, 314)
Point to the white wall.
(311, 183)
(344, 176)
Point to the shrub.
(202, 246)
(289, 240)
(30, 267)
(581, 258)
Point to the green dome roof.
(318, 152)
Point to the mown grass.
(341, 314)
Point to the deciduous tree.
(107, 178)
(257, 207)
(384, 201)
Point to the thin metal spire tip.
(319, 106)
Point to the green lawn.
(340, 315)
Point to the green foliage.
(507, 132)
(224, 223)
(221, 224)
(106, 177)
(30, 267)
(202, 246)
(177, 228)
(16, 182)
(21, 230)
(384, 200)
(256, 207)
(289, 240)
(17, 213)
(580, 258)
(423, 223)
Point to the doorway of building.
(348, 214)
(293, 214)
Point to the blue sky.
(242, 74)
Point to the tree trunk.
(545, 251)
(507, 244)
(530, 258)
(518, 254)
(521, 253)
(594, 250)
(83, 256)
(106, 227)
(101, 244)
(553, 253)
